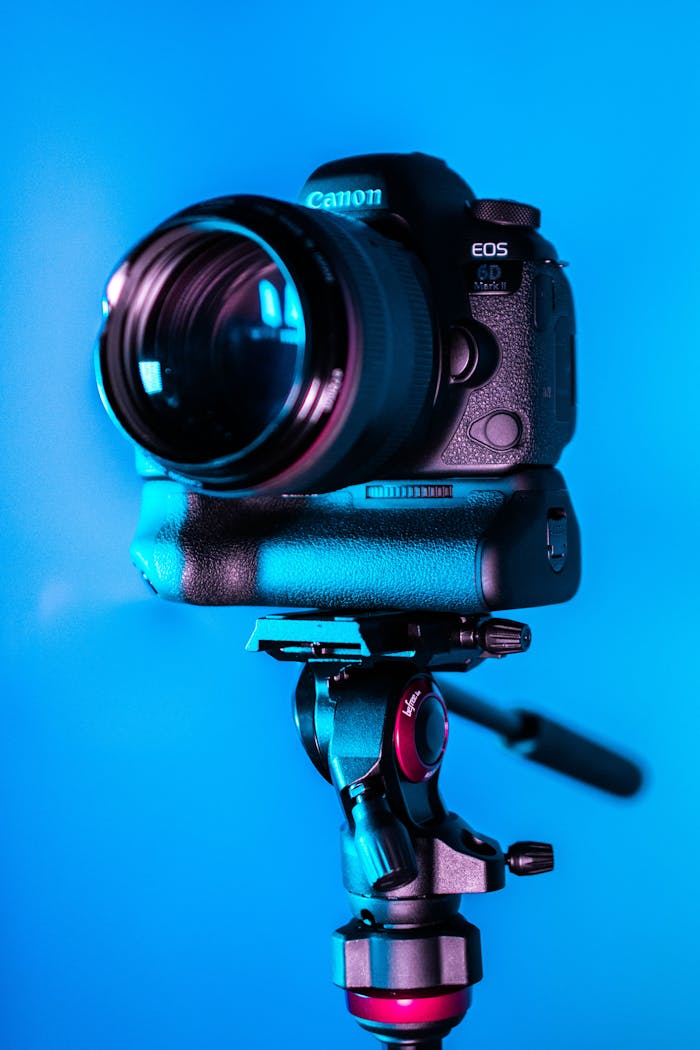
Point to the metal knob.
(383, 844)
(530, 858)
(501, 637)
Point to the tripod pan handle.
(550, 744)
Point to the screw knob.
(383, 844)
(530, 858)
(501, 637)
(506, 213)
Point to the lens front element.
(219, 343)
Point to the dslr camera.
(351, 402)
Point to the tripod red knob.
(420, 730)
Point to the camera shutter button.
(507, 213)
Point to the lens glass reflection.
(220, 343)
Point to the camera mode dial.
(505, 212)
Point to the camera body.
(411, 464)
(503, 387)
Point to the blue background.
(169, 873)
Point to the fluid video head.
(384, 369)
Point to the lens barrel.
(252, 345)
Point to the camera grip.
(532, 389)
(462, 546)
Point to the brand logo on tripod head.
(410, 703)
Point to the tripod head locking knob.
(530, 858)
(383, 844)
(495, 637)
(420, 730)
(502, 637)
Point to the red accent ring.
(419, 1009)
(417, 691)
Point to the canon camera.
(383, 370)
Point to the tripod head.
(375, 725)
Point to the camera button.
(464, 355)
(498, 430)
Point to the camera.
(382, 373)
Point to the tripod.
(375, 725)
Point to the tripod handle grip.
(550, 744)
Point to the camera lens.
(217, 334)
(250, 345)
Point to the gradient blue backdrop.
(169, 874)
